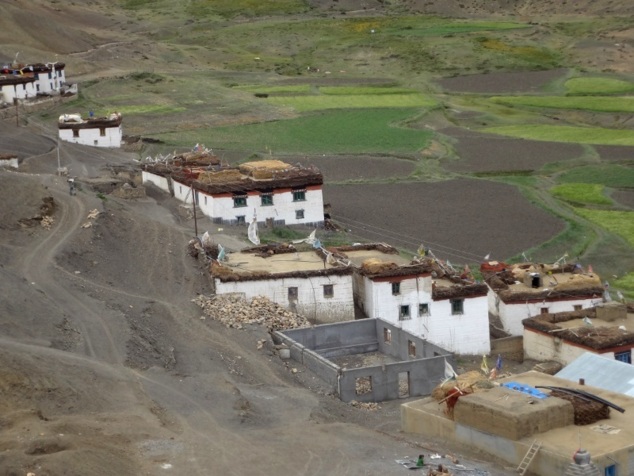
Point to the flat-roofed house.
(606, 329)
(421, 296)
(302, 281)
(269, 191)
(519, 291)
(94, 131)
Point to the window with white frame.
(266, 199)
(299, 195)
(239, 200)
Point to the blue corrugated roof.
(601, 372)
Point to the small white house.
(50, 78)
(30, 80)
(298, 280)
(607, 330)
(97, 132)
(16, 87)
(269, 191)
(421, 297)
(519, 291)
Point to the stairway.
(528, 457)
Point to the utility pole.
(59, 166)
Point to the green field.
(583, 193)
(341, 101)
(615, 176)
(618, 222)
(598, 86)
(589, 103)
(329, 132)
(579, 135)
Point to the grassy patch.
(143, 109)
(344, 131)
(436, 27)
(591, 194)
(528, 54)
(318, 102)
(618, 222)
(580, 135)
(600, 104)
(626, 283)
(615, 176)
(250, 8)
(598, 86)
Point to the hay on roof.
(377, 266)
(263, 169)
(221, 176)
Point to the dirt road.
(106, 367)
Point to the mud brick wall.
(509, 347)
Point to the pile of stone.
(370, 406)
(235, 311)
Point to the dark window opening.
(299, 214)
(293, 293)
(457, 306)
(423, 309)
(625, 356)
(75, 132)
(396, 288)
(577, 307)
(403, 313)
(102, 131)
(387, 336)
(329, 290)
(543, 310)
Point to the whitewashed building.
(607, 330)
(270, 191)
(421, 298)
(298, 280)
(29, 81)
(16, 87)
(50, 78)
(519, 291)
(94, 131)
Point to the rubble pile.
(47, 222)
(370, 406)
(235, 311)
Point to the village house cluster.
(423, 296)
